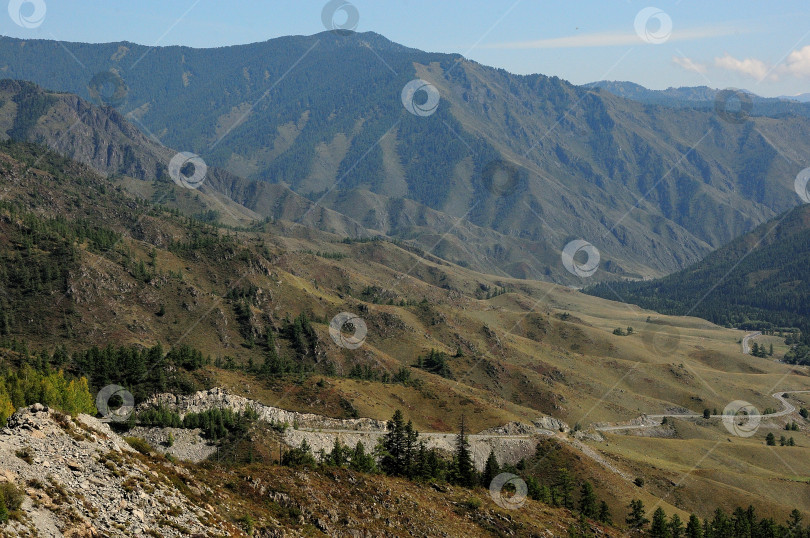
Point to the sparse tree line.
(215, 423)
(401, 453)
(770, 439)
(758, 350)
(742, 523)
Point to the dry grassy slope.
(191, 202)
(522, 356)
(341, 501)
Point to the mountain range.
(706, 98)
(330, 190)
(303, 120)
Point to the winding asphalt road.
(655, 420)
(745, 340)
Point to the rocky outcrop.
(511, 442)
(80, 479)
(507, 448)
(551, 423)
(185, 444)
(217, 397)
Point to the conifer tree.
(660, 526)
(360, 461)
(676, 529)
(397, 448)
(637, 517)
(693, 528)
(463, 470)
(587, 500)
(491, 469)
(604, 514)
(564, 489)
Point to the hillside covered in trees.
(758, 281)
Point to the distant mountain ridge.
(654, 190)
(703, 98)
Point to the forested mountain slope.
(653, 188)
(759, 281)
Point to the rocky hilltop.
(81, 479)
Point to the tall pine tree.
(463, 469)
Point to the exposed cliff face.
(217, 397)
(81, 479)
(510, 442)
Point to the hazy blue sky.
(761, 46)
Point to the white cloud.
(610, 39)
(689, 64)
(798, 62)
(750, 66)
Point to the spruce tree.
(720, 525)
(604, 514)
(637, 516)
(676, 529)
(339, 455)
(693, 528)
(491, 470)
(463, 470)
(398, 446)
(565, 489)
(660, 526)
(360, 461)
(411, 438)
(421, 464)
(794, 523)
(587, 500)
